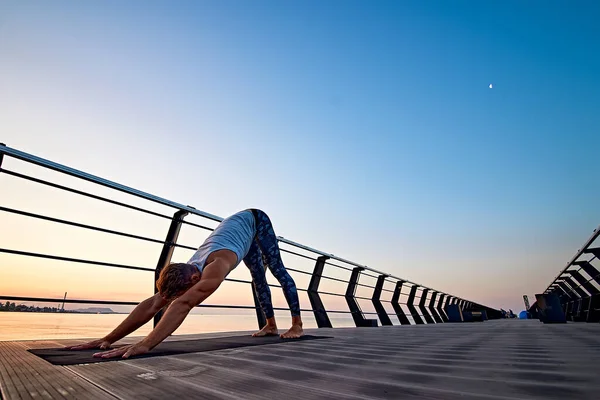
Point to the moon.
(491, 86)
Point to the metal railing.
(428, 305)
(578, 284)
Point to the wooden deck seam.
(362, 367)
(108, 392)
(361, 355)
(403, 385)
(492, 360)
(28, 382)
(441, 363)
(29, 373)
(50, 389)
(73, 386)
(188, 383)
(266, 378)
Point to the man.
(248, 236)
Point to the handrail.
(579, 297)
(186, 209)
(579, 253)
(192, 210)
(101, 181)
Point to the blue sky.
(366, 129)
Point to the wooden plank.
(290, 379)
(424, 366)
(9, 388)
(491, 360)
(226, 382)
(579, 361)
(504, 381)
(20, 373)
(133, 382)
(34, 378)
(68, 385)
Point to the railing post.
(448, 302)
(593, 311)
(595, 251)
(381, 313)
(1, 154)
(434, 312)
(167, 252)
(357, 315)
(577, 302)
(313, 294)
(423, 308)
(584, 282)
(440, 308)
(575, 287)
(566, 289)
(396, 304)
(589, 269)
(590, 304)
(411, 305)
(561, 293)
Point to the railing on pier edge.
(578, 284)
(421, 307)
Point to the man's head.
(175, 279)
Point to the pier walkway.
(501, 359)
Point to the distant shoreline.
(62, 312)
(12, 307)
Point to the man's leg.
(267, 241)
(253, 261)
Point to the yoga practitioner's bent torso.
(233, 235)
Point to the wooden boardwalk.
(507, 359)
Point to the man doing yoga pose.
(248, 236)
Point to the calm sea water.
(29, 326)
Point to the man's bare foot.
(294, 332)
(267, 330)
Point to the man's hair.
(174, 278)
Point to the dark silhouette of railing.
(578, 284)
(434, 312)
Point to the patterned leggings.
(265, 251)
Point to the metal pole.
(396, 304)
(582, 250)
(411, 305)
(313, 294)
(440, 308)
(381, 313)
(167, 252)
(423, 308)
(357, 315)
(432, 309)
(1, 153)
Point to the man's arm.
(212, 277)
(142, 313)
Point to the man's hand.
(94, 344)
(125, 351)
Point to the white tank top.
(235, 233)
